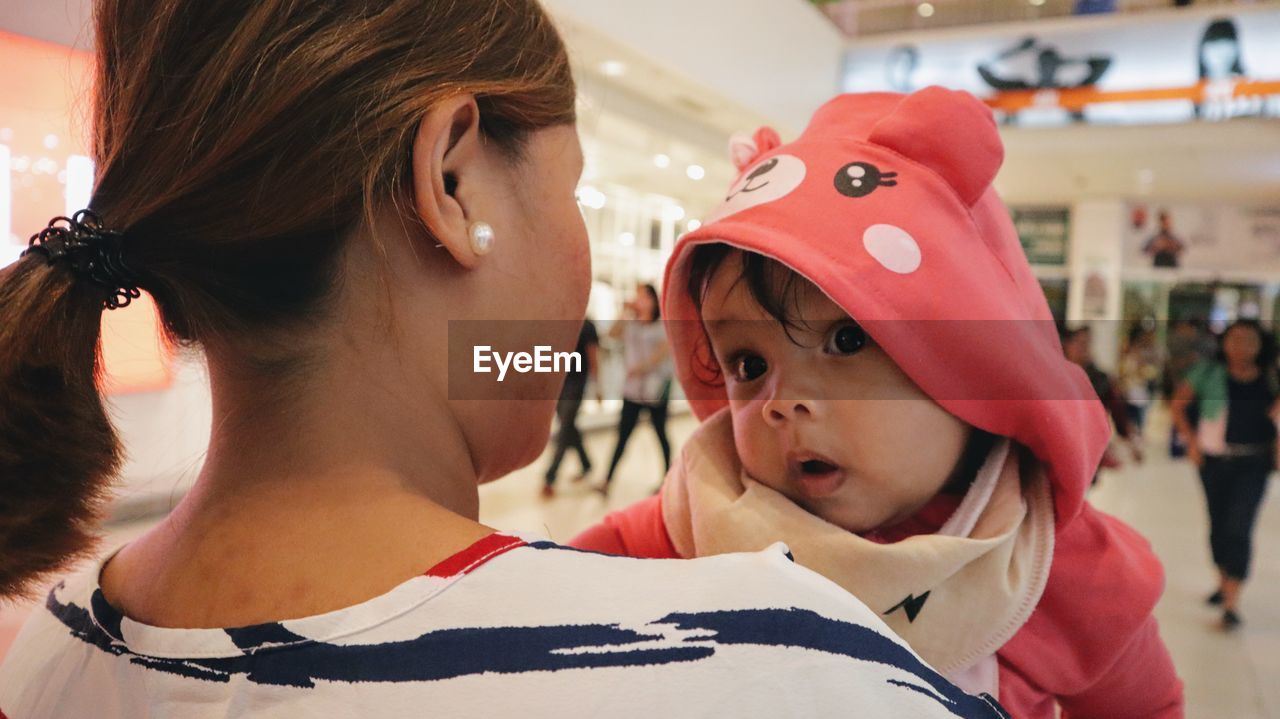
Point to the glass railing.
(861, 18)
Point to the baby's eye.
(748, 367)
(845, 338)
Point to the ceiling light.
(613, 68)
(673, 213)
(662, 161)
(693, 225)
(591, 197)
(1037, 3)
(696, 172)
(925, 9)
(626, 239)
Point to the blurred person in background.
(1185, 349)
(1139, 374)
(647, 387)
(1233, 446)
(1077, 345)
(568, 436)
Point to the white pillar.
(1095, 294)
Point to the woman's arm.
(615, 329)
(652, 361)
(1182, 398)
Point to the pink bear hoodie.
(885, 203)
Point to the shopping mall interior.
(1141, 170)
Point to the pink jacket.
(885, 202)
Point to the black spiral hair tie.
(93, 251)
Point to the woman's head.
(647, 305)
(1220, 51)
(276, 167)
(820, 412)
(1244, 342)
(1077, 345)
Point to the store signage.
(1043, 232)
(1171, 68)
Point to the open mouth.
(817, 467)
(815, 476)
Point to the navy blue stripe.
(450, 653)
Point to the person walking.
(568, 436)
(1233, 447)
(1077, 346)
(647, 387)
(1139, 372)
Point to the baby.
(883, 389)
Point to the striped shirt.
(508, 627)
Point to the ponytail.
(57, 447)
(236, 147)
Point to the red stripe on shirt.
(473, 556)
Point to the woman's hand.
(1194, 454)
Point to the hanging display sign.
(1169, 68)
(1043, 232)
(1202, 237)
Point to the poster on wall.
(1202, 237)
(1166, 68)
(1044, 233)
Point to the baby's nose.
(781, 410)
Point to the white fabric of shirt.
(530, 629)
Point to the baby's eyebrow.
(733, 322)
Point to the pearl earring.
(481, 238)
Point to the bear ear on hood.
(949, 131)
(744, 149)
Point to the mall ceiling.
(862, 18)
(650, 109)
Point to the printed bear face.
(937, 147)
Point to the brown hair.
(237, 143)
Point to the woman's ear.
(447, 154)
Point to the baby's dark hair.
(773, 285)
(777, 289)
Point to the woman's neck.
(344, 476)
(1243, 371)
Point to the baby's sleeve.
(637, 531)
(1141, 683)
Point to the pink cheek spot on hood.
(893, 247)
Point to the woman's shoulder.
(769, 576)
(511, 626)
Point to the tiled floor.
(1228, 676)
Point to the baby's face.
(825, 416)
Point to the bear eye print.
(767, 181)
(859, 179)
(757, 179)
